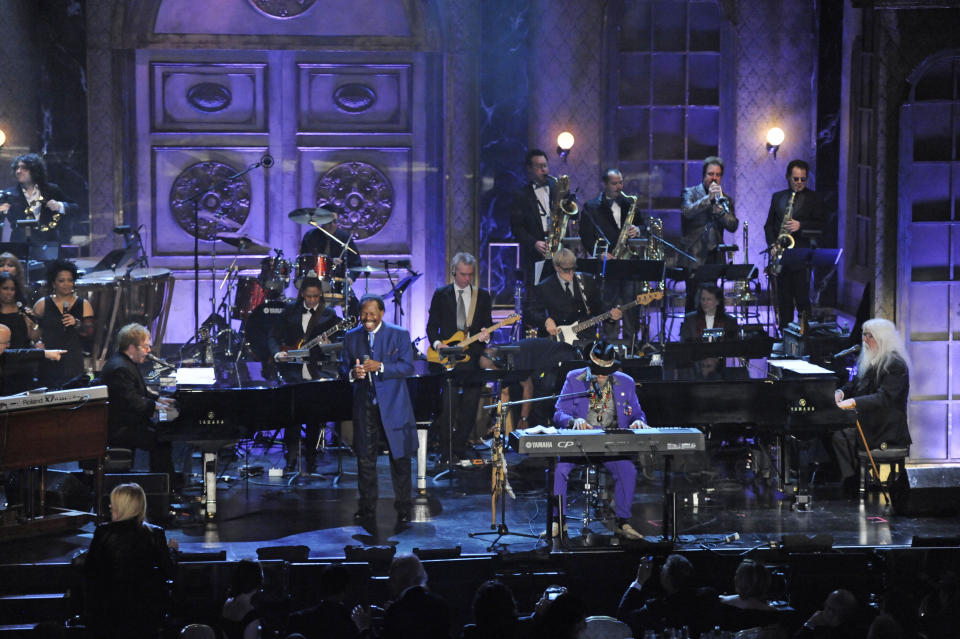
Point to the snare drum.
(274, 276)
(250, 294)
(319, 266)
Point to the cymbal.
(244, 242)
(365, 270)
(317, 216)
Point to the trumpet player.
(806, 214)
(705, 213)
(602, 222)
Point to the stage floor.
(317, 512)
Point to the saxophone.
(561, 210)
(784, 240)
(622, 249)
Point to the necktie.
(370, 339)
(461, 312)
(568, 288)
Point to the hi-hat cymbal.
(364, 270)
(244, 242)
(313, 217)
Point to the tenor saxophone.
(784, 240)
(622, 248)
(561, 210)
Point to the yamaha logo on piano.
(538, 445)
(211, 420)
(802, 407)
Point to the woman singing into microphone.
(23, 330)
(65, 321)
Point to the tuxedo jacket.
(549, 299)
(316, 242)
(703, 222)
(597, 221)
(624, 396)
(526, 225)
(442, 321)
(18, 211)
(131, 404)
(392, 348)
(288, 331)
(807, 209)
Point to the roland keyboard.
(569, 442)
(51, 399)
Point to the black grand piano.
(241, 403)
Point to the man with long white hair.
(878, 393)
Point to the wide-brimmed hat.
(603, 358)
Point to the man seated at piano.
(563, 299)
(132, 405)
(607, 399)
(878, 393)
(709, 319)
(301, 321)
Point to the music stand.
(676, 353)
(632, 270)
(395, 294)
(811, 257)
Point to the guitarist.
(464, 307)
(566, 297)
(301, 320)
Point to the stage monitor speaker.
(927, 492)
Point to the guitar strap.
(474, 294)
(583, 295)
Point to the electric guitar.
(303, 348)
(568, 332)
(460, 339)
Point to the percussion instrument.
(312, 217)
(274, 276)
(244, 242)
(249, 296)
(319, 266)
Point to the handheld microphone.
(847, 351)
(266, 161)
(66, 309)
(23, 310)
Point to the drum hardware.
(245, 243)
(317, 218)
(275, 274)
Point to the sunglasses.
(799, 179)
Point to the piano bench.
(115, 460)
(892, 456)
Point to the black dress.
(19, 338)
(57, 336)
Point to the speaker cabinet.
(927, 492)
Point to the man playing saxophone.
(530, 213)
(792, 283)
(603, 223)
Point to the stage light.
(774, 140)
(3, 138)
(564, 143)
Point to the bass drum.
(250, 294)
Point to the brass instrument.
(561, 210)
(622, 249)
(784, 240)
(35, 209)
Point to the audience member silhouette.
(670, 602)
(748, 608)
(330, 618)
(240, 617)
(495, 614)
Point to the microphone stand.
(195, 201)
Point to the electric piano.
(606, 443)
(43, 428)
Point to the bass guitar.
(460, 339)
(568, 332)
(303, 348)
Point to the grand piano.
(241, 403)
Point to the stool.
(595, 495)
(892, 456)
(115, 460)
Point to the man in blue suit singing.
(377, 358)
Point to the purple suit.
(628, 410)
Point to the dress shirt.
(543, 198)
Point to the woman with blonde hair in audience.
(127, 568)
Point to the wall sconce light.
(564, 144)
(774, 140)
(3, 138)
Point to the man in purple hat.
(608, 399)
